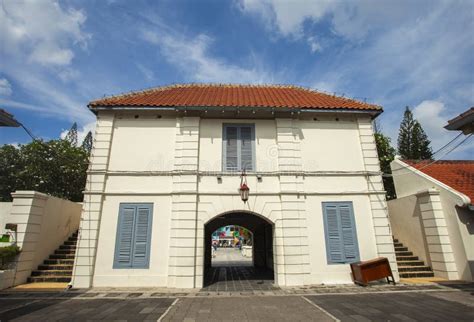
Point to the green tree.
(87, 143)
(71, 136)
(413, 143)
(56, 167)
(386, 155)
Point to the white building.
(433, 214)
(165, 173)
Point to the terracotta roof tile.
(213, 95)
(458, 174)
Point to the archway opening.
(240, 262)
(232, 245)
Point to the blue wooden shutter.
(231, 160)
(246, 148)
(348, 231)
(132, 246)
(333, 237)
(124, 242)
(340, 231)
(141, 250)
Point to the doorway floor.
(231, 272)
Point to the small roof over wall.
(6, 119)
(463, 122)
(457, 174)
(202, 96)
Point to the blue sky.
(55, 57)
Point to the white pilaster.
(291, 235)
(437, 236)
(185, 263)
(378, 203)
(92, 206)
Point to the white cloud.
(314, 44)
(42, 30)
(190, 55)
(287, 17)
(350, 19)
(148, 73)
(433, 116)
(5, 87)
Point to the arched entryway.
(260, 274)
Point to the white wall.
(44, 223)
(407, 225)
(459, 220)
(5, 208)
(143, 150)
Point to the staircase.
(58, 268)
(408, 264)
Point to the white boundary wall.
(44, 223)
(445, 223)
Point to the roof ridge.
(234, 85)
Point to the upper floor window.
(238, 147)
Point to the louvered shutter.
(132, 246)
(340, 230)
(231, 148)
(125, 232)
(141, 249)
(348, 233)
(246, 148)
(333, 237)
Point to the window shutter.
(340, 230)
(348, 233)
(246, 149)
(132, 246)
(141, 251)
(124, 243)
(231, 147)
(333, 237)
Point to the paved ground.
(230, 257)
(447, 305)
(232, 272)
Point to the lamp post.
(244, 188)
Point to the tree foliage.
(71, 136)
(56, 167)
(87, 143)
(386, 155)
(413, 143)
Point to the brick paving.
(446, 302)
(232, 272)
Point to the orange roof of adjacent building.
(458, 174)
(213, 95)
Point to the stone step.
(417, 274)
(397, 245)
(56, 273)
(68, 247)
(56, 267)
(48, 279)
(401, 249)
(61, 256)
(409, 269)
(65, 251)
(395, 240)
(403, 253)
(59, 262)
(70, 243)
(406, 258)
(410, 263)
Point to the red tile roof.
(458, 174)
(211, 95)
